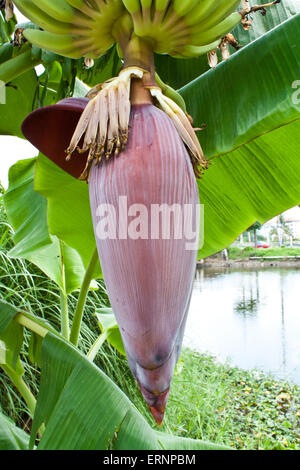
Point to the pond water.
(251, 317)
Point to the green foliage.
(248, 252)
(106, 67)
(11, 437)
(19, 103)
(254, 227)
(109, 327)
(201, 410)
(88, 424)
(69, 214)
(243, 409)
(250, 136)
(6, 27)
(27, 213)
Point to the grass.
(208, 400)
(227, 405)
(236, 253)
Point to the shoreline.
(247, 263)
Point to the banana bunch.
(72, 28)
(180, 28)
(183, 28)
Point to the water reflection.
(249, 316)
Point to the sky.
(13, 149)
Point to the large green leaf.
(27, 212)
(109, 327)
(12, 437)
(7, 313)
(252, 135)
(84, 410)
(11, 339)
(19, 103)
(69, 214)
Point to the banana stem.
(22, 388)
(31, 325)
(75, 330)
(18, 65)
(97, 346)
(24, 391)
(138, 52)
(65, 332)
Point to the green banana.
(133, 6)
(146, 12)
(59, 43)
(93, 28)
(112, 8)
(123, 27)
(41, 18)
(201, 12)
(181, 7)
(58, 9)
(225, 8)
(146, 3)
(161, 8)
(161, 5)
(189, 52)
(78, 4)
(83, 7)
(218, 31)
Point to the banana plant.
(250, 107)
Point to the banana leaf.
(12, 437)
(69, 213)
(252, 137)
(109, 327)
(84, 410)
(80, 406)
(19, 101)
(27, 213)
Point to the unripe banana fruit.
(175, 27)
(76, 28)
(180, 28)
(72, 28)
